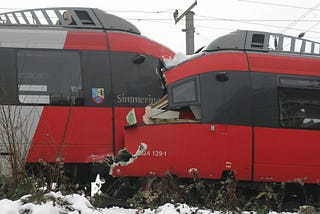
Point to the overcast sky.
(213, 18)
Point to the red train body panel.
(218, 62)
(85, 138)
(188, 150)
(78, 40)
(256, 113)
(286, 155)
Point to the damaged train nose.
(125, 158)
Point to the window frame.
(42, 91)
(303, 85)
(196, 101)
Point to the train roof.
(257, 41)
(265, 42)
(67, 17)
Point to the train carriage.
(68, 77)
(248, 103)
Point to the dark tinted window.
(226, 102)
(8, 89)
(265, 99)
(185, 92)
(49, 77)
(135, 84)
(300, 105)
(96, 78)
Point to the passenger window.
(299, 108)
(49, 77)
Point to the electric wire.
(140, 11)
(210, 18)
(229, 20)
(226, 19)
(299, 18)
(202, 17)
(274, 4)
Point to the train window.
(299, 108)
(185, 92)
(51, 77)
(257, 41)
(131, 80)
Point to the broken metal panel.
(196, 110)
(163, 114)
(125, 158)
(157, 113)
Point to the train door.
(45, 78)
(72, 87)
(227, 103)
(94, 119)
(286, 146)
(136, 83)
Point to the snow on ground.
(76, 204)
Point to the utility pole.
(189, 27)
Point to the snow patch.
(9, 207)
(76, 204)
(96, 186)
(178, 59)
(47, 208)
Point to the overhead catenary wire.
(244, 21)
(228, 20)
(202, 17)
(140, 11)
(275, 4)
(299, 18)
(210, 18)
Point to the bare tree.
(17, 127)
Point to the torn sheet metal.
(158, 113)
(125, 158)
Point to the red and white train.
(68, 78)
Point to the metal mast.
(189, 27)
